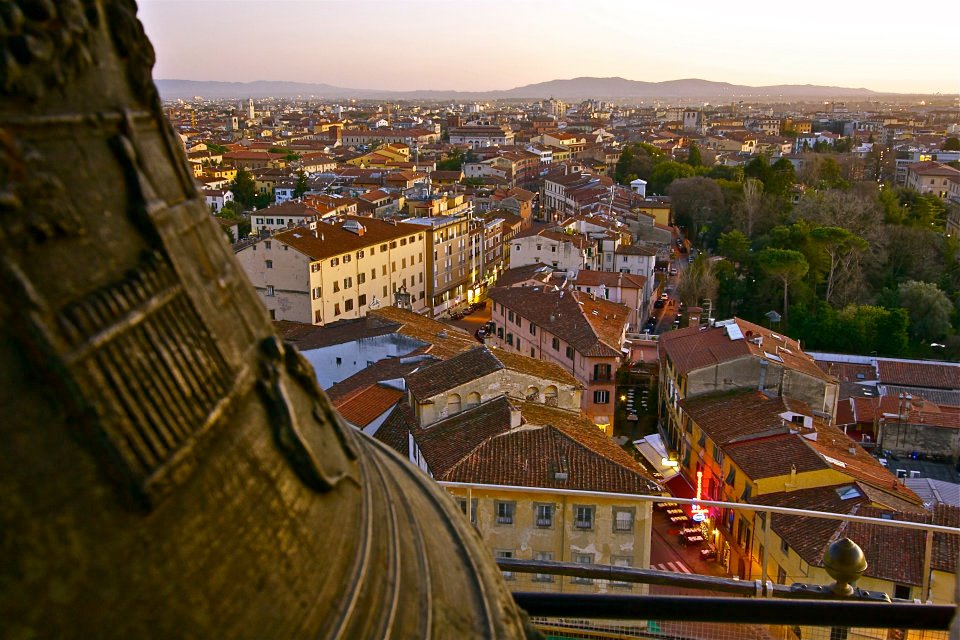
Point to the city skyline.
(431, 45)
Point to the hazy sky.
(499, 44)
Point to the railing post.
(766, 540)
(927, 555)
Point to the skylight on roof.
(733, 331)
(773, 357)
(848, 493)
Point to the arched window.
(550, 396)
(473, 399)
(532, 394)
(453, 404)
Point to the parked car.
(659, 304)
(673, 271)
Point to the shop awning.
(655, 453)
(680, 487)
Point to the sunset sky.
(500, 44)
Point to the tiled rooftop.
(919, 374)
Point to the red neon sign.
(696, 507)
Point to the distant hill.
(574, 88)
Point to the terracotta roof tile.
(593, 327)
(395, 430)
(697, 347)
(533, 455)
(458, 370)
(737, 415)
(445, 340)
(919, 374)
(445, 443)
(774, 456)
(547, 371)
(362, 408)
(333, 239)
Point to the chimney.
(516, 418)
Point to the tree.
(929, 310)
(695, 202)
(244, 189)
(749, 208)
(951, 144)
(698, 283)
(302, 185)
(694, 158)
(785, 265)
(841, 247)
(229, 211)
(734, 246)
(665, 173)
(637, 160)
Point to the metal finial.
(845, 563)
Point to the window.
(532, 353)
(500, 553)
(334, 262)
(504, 511)
(383, 270)
(621, 561)
(314, 266)
(703, 439)
(336, 286)
(583, 518)
(731, 476)
(336, 309)
(533, 329)
(601, 372)
(347, 283)
(555, 343)
(784, 547)
(269, 264)
(543, 556)
(384, 291)
(383, 247)
(473, 508)
(601, 397)
(623, 519)
(393, 267)
(582, 558)
(570, 352)
(318, 316)
(373, 274)
(360, 254)
(510, 316)
(393, 245)
(717, 454)
(270, 290)
(781, 575)
(362, 300)
(361, 277)
(544, 515)
(901, 592)
(316, 293)
(510, 339)
(346, 258)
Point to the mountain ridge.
(564, 89)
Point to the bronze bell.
(169, 468)
(845, 563)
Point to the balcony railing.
(748, 609)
